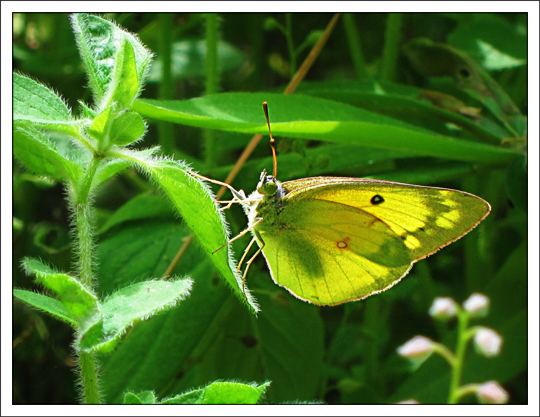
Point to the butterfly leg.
(248, 263)
(239, 235)
(231, 202)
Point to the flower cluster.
(487, 342)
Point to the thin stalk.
(391, 44)
(290, 43)
(457, 368)
(355, 47)
(212, 83)
(89, 378)
(166, 86)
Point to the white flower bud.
(443, 308)
(487, 342)
(411, 401)
(417, 349)
(492, 393)
(477, 305)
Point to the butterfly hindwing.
(331, 260)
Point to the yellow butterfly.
(331, 240)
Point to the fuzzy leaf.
(127, 128)
(76, 298)
(38, 153)
(37, 103)
(144, 397)
(47, 304)
(99, 42)
(195, 202)
(130, 304)
(124, 85)
(222, 393)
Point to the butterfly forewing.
(424, 218)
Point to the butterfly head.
(268, 185)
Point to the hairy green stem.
(355, 47)
(457, 368)
(83, 218)
(83, 221)
(391, 43)
(166, 86)
(212, 82)
(89, 378)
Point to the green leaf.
(144, 397)
(112, 165)
(407, 104)
(48, 305)
(195, 203)
(124, 85)
(491, 41)
(79, 301)
(436, 60)
(141, 207)
(127, 128)
(188, 59)
(222, 393)
(131, 398)
(287, 337)
(133, 303)
(38, 153)
(99, 128)
(516, 183)
(314, 118)
(36, 103)
(99, 41)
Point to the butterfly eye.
(268, 186)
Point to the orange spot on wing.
(342, 244)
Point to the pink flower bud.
(487, 342)
(492, 393)
(477, 305)
(443, 308)
(417, 349)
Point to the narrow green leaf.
(314, 118)
(38, 153)
(47, 304)
(407, 104)
(99, 41)
(222, 393)
(124, 85)
(76, 298)
(195, 202)
(130, 304)
(127, 128)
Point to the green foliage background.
(344, 354)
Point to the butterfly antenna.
(272, 140)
